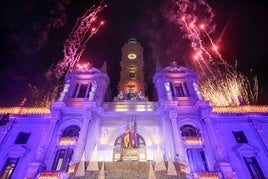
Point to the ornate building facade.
(178, 136)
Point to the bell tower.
(131, 75)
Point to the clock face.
(132, 56)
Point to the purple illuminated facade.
(178, 136)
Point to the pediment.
(17, 150)
(245, 149)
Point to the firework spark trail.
(199, 58)
(192, 12)
(223, 85)
(215, 48)
(85, 27)
(201, 49)
(200, 65)
(193, 33)
(74, 46)
(207, 67)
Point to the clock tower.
(131, 76)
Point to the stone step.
(127, 166)
(129, 170)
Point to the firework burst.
(85, 27)
(220, 82)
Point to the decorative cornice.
(25, 110)
(215, 109)
(241, 109)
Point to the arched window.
(71, 131)
(119, 142)
(189, 131)
(63, 155)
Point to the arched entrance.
(128, 147)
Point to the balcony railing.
(52, 175)
(207, 175)
(67, 140)
(193, 140)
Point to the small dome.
(132, 41)
(87, 71)
(174, 68)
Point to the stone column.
(179, 145)
(91, 137)
(37, 163)
(168, 136)
(176, 134)
(222, 163)
(80, 144)
(173, 119)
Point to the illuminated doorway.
(134, 151)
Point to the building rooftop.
(215, 109)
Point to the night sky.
(32, 34)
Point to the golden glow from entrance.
(121, 107)
(132, 56)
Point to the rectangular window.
(75, 91)
(179, 90)
(240, 137)
(132, 75)
(22, 138)
(9, 168)
(62, 160)
(254, 168)
(81, 91)
(197, 160)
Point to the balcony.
(193, 140)
(52, 175)
(67, 141)
(207, 175)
